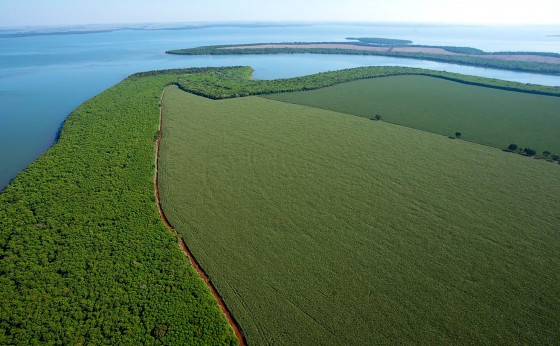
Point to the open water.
(43, 78)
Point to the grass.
(84, 255)
(483, 115)
(321, 228)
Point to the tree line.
(235, 82)
(547, 155)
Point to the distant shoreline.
(75, 31)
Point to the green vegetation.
(380, 41)
(301, 205)
(340, 230)
(463, 50)
(84, 256)
(549, 54)
(529, 152)
(236, 82)
(483, 115)
(477, 59)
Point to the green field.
(483, 115)
(322, 228)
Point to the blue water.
(43, 78)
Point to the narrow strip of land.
(233, 324)
(428, 50)
(534, 62)
(423, 50)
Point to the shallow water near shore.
(43, 78)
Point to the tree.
(555, 157)
(159, 331)
(377, 117)
(546, 154)
(457, 134)
(529, 152)
(513, 147)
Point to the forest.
(84, 255)
(235, 82)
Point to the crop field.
(322, 228)
(487, 116)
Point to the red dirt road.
(233, 324)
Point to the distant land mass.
(381, 41)
(535, 62)
(97, 29)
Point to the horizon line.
(194, 24)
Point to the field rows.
(322, 228)
(487, 116)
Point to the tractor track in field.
(232, 323)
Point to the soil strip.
(233, 324)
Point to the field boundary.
(234, 83)
(503, 148)
(183, 245)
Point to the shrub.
(529, 152)
(159, 331)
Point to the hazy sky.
(57, 12)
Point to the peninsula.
(535, 62)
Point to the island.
(536, 62)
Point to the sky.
(72, 12)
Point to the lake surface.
(43, 78)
